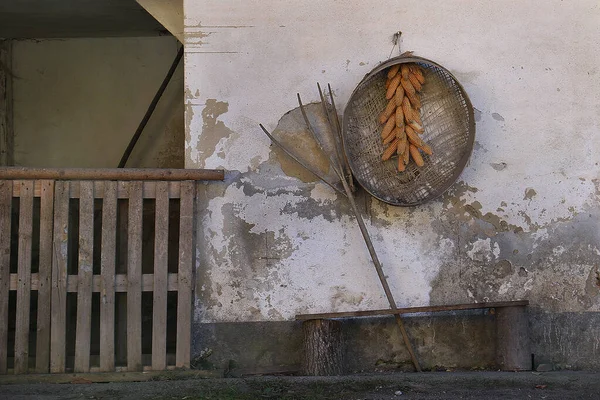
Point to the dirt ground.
(397, 386)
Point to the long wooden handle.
(382, 278)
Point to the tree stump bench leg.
(513, 352)
(323, 347)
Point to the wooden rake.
(332, 145)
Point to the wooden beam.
(187, 259)
(60, 238)
(149, 191)
(113, 174)
(85, 274)
(24, 278)
(44, 311)
(120, 282)
(412, 310)
(107, 270)
(159, 296)
(134, 278)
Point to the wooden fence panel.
(60, 241)
(6, 189)
(42, 347)
(84, 284)
(107, 293)
(134, 277)
(159, 306)
(24, 277)
(57, 224)
(185, 273)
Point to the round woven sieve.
(447, 116)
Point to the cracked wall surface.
(521, 222)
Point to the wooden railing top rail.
(120, 174)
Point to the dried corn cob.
(389, 110)
(399, 95)
(418, 72)
(389, 126)
(414, 100)
(405, 70)
(407, 109)
(402, 141)
(393, 71)
(416, 116)
(391, 90)
(390, 150)
(420, 77)
(393, 135)
(413, 137)
(417, 127)
(406, 156)
(414, 153)
(415, 82)
(399, 117)
(426, 149)
(401, 166)
(408, 87)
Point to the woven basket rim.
(471, 126)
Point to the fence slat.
(107, 291)
(5, 224)
(84, 286)
(185, 274)
(24, 276)
(134, 275)
(59, 277)
(42, 348)
(159, 305)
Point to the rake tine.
(341, 138)
(331, 127)
(304, 165)
(335, 166)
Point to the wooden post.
(513, 351)
(44, 313)
(58, 324)
(134, 278)
(323, 347)
(159, 306)
(107, 270)
(85, 275)
(6, 104)
(24, 280)
(5, 226)
(185, 274)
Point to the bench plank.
(412, 310)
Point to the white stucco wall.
(532, 72)
(78, 102)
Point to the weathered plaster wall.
(78, 102)
(521, 222)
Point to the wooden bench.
(323, 337)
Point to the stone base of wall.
(457, 340)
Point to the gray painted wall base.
(458, 340)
